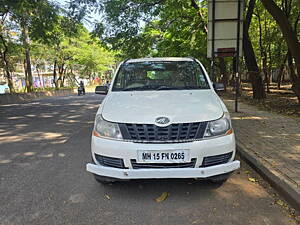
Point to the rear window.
(177, 75)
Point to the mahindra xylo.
(162, 118)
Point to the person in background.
(81, 84)
(107, 83)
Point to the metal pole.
(213, 41)
(237, 56)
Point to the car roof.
(160, 59)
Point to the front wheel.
(219, 179)
(104, 180)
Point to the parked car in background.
(4, 89)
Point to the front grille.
(180, 132)
(136, 165)
(216, 159)
(110, 161)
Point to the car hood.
(180, 106)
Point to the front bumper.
(163, 173)
(128, 151)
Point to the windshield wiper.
(141, 88)
(162, 87)
(166, 88)
(179, 88)
(194, 87)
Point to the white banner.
(225, 26)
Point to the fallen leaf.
(279, 202)
(162, 197)
(196, 221)
(252, 179)
(247, 172)
(61, 155)
(107, 196)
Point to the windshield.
(177, 75)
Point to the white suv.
(162, 118)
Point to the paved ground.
(272, 139)
(44, 147)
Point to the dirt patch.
(282, 100)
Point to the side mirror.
(218, 87)
(101, 90)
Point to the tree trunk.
(281, 71)
(64, 76)
(279, 77)
(250, 59)
(265, 71)
(61, 73)
(290, 36)
(294, 78)
(25, 72)
(7, 66)
(263, 55)
(29, 82)
(54, 74)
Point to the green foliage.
(262, 31)
(154, 28)
(55, 37)
(39, 17)
(127, 29)
(89, 56)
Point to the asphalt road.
(44, 146)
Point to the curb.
(289, 194)
(17, 98)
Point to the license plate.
(166, 156)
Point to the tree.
(7, 45)
(35, 19)
(155, 28)
(59, 42)
(90, 58)
(290, 35)
(250, 58)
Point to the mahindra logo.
(162, 120)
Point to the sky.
(91, 17)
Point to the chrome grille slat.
(180, 132)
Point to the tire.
(104, 180)
(219, 179)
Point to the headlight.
(106, 129)
(219, 127)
